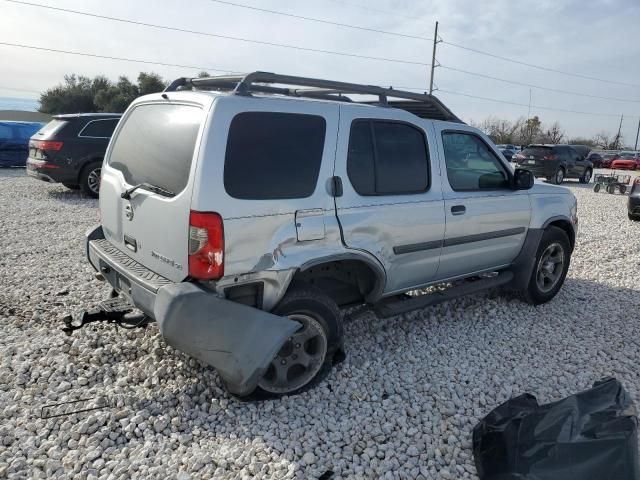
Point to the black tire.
(622, 189)
(635, 218)
(534, 294)
(306, 300)
(611, 189)
(596, 187)
(558, 177)
(72, 186)
(586, 176)
(87, 179)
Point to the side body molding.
(237, 340)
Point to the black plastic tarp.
(589, 435)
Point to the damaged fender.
(237, 340)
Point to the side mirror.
(522, 179)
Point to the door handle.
(458, 210)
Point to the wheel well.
(347, 282)
(566, 226)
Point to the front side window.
(387, 158)
(471, 165)
(156, 145)
(99, 128)
(273, 155)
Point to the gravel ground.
(402, 405)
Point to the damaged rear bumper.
(237, 340)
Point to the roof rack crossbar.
(262, 82)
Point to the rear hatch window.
(50, 129)
(156, 144)
(537, 151)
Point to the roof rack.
(422, 105)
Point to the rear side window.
(387, 158)
(6, 132)
(156, 145)
(273, 155)
(99, 128)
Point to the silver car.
(243, 215)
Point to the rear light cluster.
(48, 145)
(553, 156)
(206, 245)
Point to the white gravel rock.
(402, 405)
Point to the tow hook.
(114, 310)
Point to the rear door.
(486, 221)
(392, 202)
(156, 142)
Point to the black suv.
(69, 150)
(555, 163)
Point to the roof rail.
(420, 104)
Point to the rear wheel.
(611, 189)
(596, 187)
(90, 179)
(633, 217)
(307, 356)
(586, 176)
(558, 178)
(622, 189)
(551, 265)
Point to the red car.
(626, 161)
(608, 158)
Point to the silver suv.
(242, 213)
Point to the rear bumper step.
(389, 307)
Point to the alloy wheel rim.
(550, 267)
(93, 180)
(559, 176)
(299, 359)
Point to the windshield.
(155, 145)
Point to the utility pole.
(637, 135)
(433, 58)
(529, 110)
(618, 136)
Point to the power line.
(540, 67)
(227, 37)
(568, 92)
(319, 20)
(526, 105)
(109, 57)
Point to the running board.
(389, 307)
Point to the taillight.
(48, 145)
(553, 156)
(206, 245)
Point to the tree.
(82, 94)
(554, 134)
(530, 131)
(500, 130)
(589, 142)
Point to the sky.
(593, 38)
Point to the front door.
(486, 221)
(392, 203)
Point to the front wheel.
(622, 189)
(90, 179)
(307, 356)
(611, 189)
(596, 187)
(586, 176)
(551, 265)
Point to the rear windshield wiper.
(147, 186)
